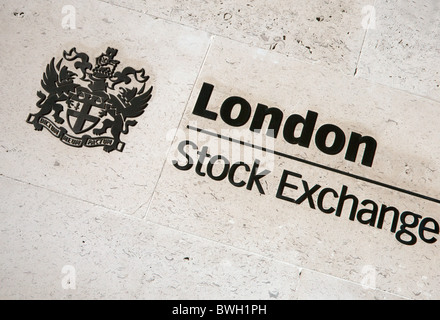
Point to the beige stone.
(85, 224)
(169, 53)
(294, 233)
(402, 50)
(328, 33)
(49, 239)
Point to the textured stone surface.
(402, 51)
(117, 257)
(328, 33)
(399, 48)
(318, 286)
(295, 233)
(169, 53)
(85, 224)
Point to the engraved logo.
(86, 105)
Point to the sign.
(407, 226)
(271, 143)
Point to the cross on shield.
(82, 121)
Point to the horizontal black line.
(288, 156)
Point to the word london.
(276, 117)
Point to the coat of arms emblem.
(86, 105)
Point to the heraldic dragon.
(94, 88)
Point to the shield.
(80, 120)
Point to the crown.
(105, 64)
